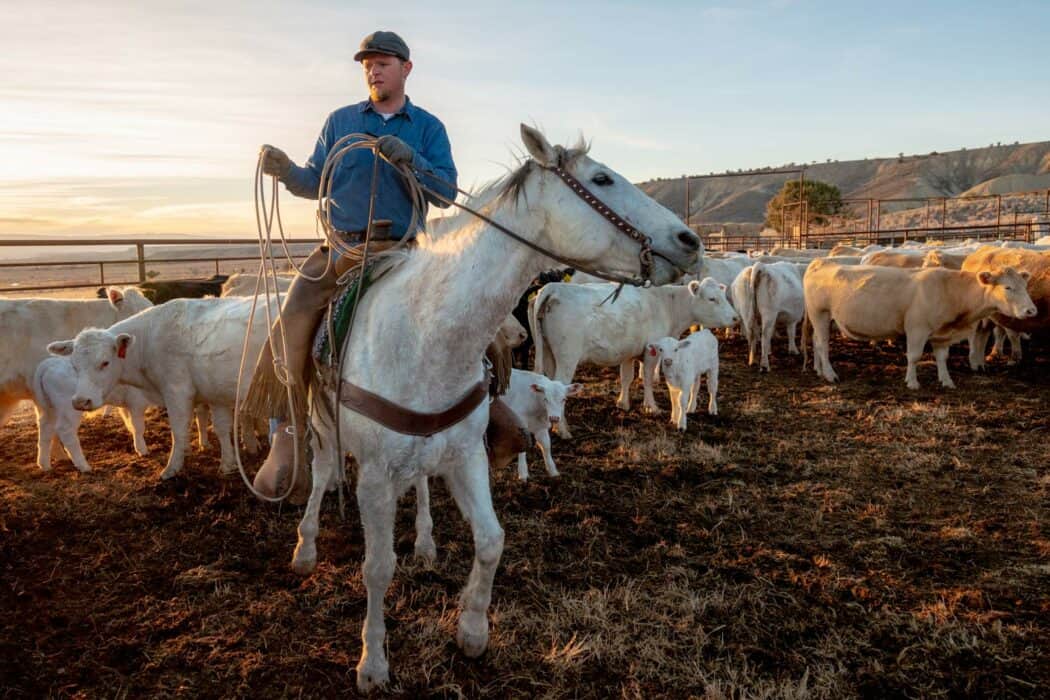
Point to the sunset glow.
(123, 117)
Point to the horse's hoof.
(302, 564)
(372, 674)
(426, 551)
(473, 639)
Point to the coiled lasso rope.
(265, 218)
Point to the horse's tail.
(538, 309)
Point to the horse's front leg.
(425, 548)
(377, 502)
(469, 484)
(326, 461)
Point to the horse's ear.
(538, 146)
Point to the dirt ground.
(857, 540)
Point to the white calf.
(684, 363)
(54, 384)
(540, 403)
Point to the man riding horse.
(407, 136)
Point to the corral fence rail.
(141, 261)
(1019, 231)
(1027, 232)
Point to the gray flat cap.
(383, 42)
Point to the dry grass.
(809, 542)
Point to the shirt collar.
(408, 109)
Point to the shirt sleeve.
(303, 181)
(436, 157)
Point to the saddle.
(332, 334)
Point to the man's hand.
(275, 162)
(395, 150)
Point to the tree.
(822, 199)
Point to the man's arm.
(304, 181)
(436, 157)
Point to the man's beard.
(379, 94)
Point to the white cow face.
(713, 308)
(1009, 289)
(554, 394)
(98, 359)
(656, 351)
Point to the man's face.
(385, 75)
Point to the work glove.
(395, 150)
(275, 162)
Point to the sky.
(145, 117)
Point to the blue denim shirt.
(352, 178)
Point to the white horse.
(419, 340)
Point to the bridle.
(645, 243)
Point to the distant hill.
(990, 170)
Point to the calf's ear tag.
(652, 351)
(122, 351)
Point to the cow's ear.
(694, 287)
(1025, 275)
(61, 347)
(683, 344)
(573, 389)
(538, 146)
(537, 388)
(721, 286)
(985, 277)
(124, 341)
(115, 296)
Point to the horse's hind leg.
(470, 487)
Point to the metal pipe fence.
(1025, 231)
(140, 261)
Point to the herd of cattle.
(151, 346)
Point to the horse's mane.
(506, 188)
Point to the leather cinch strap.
(402, 420)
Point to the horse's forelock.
(512, 186)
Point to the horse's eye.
(602, 179)
(104, 365)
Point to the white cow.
(722, 270)
(540, 403)
(684, 362)
(871, 302)
(243, 284)
(571, 324)
(28, 325)
(765, 295)
(186, 351)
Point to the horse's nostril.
(689, 239)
